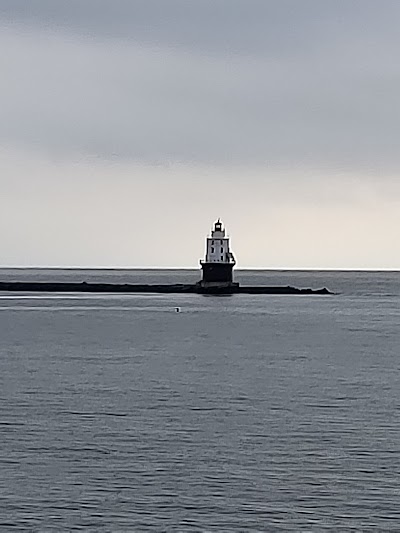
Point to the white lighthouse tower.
(219, 260)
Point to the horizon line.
(158, 268)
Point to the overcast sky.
(128, 126)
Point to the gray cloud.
(282, 117)
(253, 27)
(311, 83)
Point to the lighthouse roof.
(219, 230)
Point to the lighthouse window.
(212, 249)
(222, 257)
(222, 250)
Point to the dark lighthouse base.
(217, 275)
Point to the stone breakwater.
(20, 286)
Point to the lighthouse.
(219, 261)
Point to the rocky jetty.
(20, 286)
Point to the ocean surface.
(240, 413)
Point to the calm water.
(241, 413)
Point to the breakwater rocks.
(20, 286)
